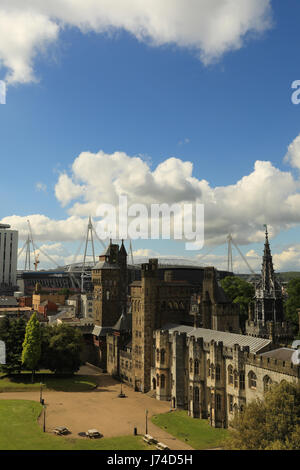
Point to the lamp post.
(146, 422)
(44, 424)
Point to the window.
(218, 372)
(208, 368)
(162, 356)
(230, 403)
(252, 380)
(267, 383)
(196, 365)
(157, 355)
(162, 381)
(242, 380)
(230, 375)
(236, 382)
(191, 365)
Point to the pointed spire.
(268, 278)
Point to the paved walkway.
(102, 409)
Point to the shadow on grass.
(56, 382)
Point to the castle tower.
(144, 307)
(106, 278)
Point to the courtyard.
(102, 409)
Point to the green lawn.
(195, 432)
(22, 382)
(19, 430)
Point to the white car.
(61, 430)
(93, 434)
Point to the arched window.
(170, 306)
(267, 383)
(196, 365)
(230, 375)
(107, 295)
(218, 372)
(157, 355)
(162, 356)
(236, 379)
(242, 380)
(162, 381)
(252, 380)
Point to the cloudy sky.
(166, 102)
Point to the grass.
(196, 432)
(22, 382)
(19, 430)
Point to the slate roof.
(228, 339)
(123, 324)
(283, 354)
(105, 265)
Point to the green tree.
(239, 292)
(12, 332)
(61, 349)
(293, 302)
(31, 352)
(269, 424)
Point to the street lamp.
(146, 422)
(44, 424)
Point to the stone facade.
(215, 379)
(156, 302)
(109, 278)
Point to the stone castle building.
(214, 374)
(266, 316)
(181, 339)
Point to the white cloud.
(209, 27)
(266, 195)
(46, 229)
(293, 154)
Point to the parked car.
(61, 430)
(93, 434)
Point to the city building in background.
(8, 259)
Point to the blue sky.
(116, 93)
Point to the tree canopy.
(61, 349)
(293, 302)
(269, 424)
(12, 332)
(32, 344)
(240, 292)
